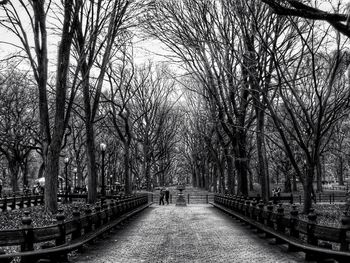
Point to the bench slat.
(45, 233)
(11, 237)
(328, 233)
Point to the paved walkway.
(196, 233)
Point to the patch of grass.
(327, 214)
(13, 219)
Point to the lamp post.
(75, 170)
(66, 161)
(103, 149)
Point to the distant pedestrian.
(167, 195)
(161, 197)
(279, 191)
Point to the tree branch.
(298, 9)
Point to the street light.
(103, 149)
(75, 170)
(66, 161)
(111, 184)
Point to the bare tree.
(77, 144)
(219, 47)
(18, 121)
(36, 52)
(102, 31)
(338, 151)
(312, 98)
(203, 43)
(117, 102)
(152, 103)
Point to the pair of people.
(276, 193)
(164, 193)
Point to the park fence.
(191, 198)
(23, 201)
(57, 240)
(330, 198)
(317, 241)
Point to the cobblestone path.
(196, 233)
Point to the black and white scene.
(174, 131)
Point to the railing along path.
(315, 240)
(57, 240)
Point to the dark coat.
(167, 194)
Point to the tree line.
(272, 87)
(265, 92)
(96, 93)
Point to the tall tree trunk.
(230, 175)
(14, 169)
(308, 188)
(221, 174)
(319, 176)
(90, 134)
(251, 185)
(210, 183)
(194, 177)
(40, 74)
(340, 170)
(147, 166)
(215, 178)
(24, 168)
(260, 144)
(91, 162)
(127, 168)
(61, 115)
(198, 173)
(202, 174)
(51, 174)
(80, 175)
(288, 173)
(241, 163)
(206, 174)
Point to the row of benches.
(307, 236)
(68, 235)
(20, 201)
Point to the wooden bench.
(20, 201)
(312, 252)
(93, 226)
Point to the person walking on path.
(161, 197)
(167, 195)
